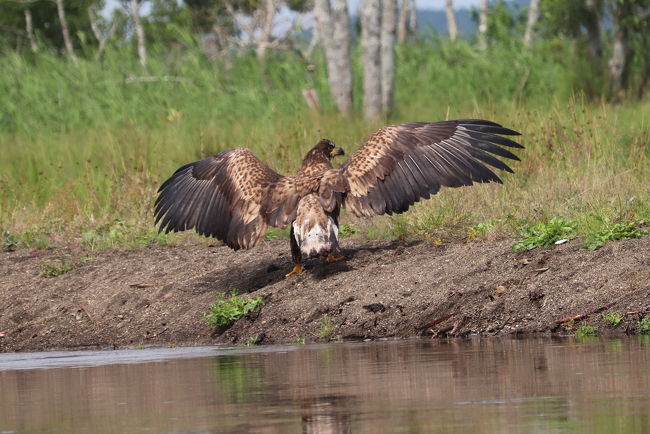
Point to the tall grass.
(85, 147)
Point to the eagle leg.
(295, 254)
(331, 258)
(296, 270)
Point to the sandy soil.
(157, 295)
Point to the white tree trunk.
(64, 30)
(413, 20)
(618, 62)
(370, 15)
(333, 31)
(482, 24)
(403, 22)
(452, 28)
(533, 17)
(139, 31)
(29, 29)
(266, 26)
(387, 39)
(101, 39)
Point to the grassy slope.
(84, 149)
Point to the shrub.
(224, 312)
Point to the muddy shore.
(158, 295)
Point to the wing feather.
(400, 164)
(226, 196)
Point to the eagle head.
(328, 148)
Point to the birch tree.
(101, 37)
(139, 31)
(387, 40)
(65, 32)
(452, 28)
(370, 16)
(482, 24)
(533, 17)
(332, 25)
(403, 21)
(29, 29)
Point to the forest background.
(96, 111)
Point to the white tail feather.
(317, 240)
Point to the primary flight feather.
(234, 197)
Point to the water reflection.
(487, 385)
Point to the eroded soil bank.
(158, 295)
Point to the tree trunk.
(594, 29)
(370, 15)
(387, 39)
(413, 19)
(29, 28)
(333, 30)
(64, 30)
(139, 31)
(403, 22)
(482, 25)
(451, 20)
(621, 55)
(533, 17)
(266, 26)
(101, 39)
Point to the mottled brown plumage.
(234, 197)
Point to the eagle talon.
(296, 270)
(331, 258)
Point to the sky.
(354, 4)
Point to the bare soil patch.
(158, 295)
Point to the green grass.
(586, 331)
(225, 311)
(84, 149)
(613, 231)
(613, 319)
(643, 326)
(326, 330)
(545, 234)
(54, 267)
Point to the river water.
(478, 385)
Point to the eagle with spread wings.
(235, 197)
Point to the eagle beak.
(337, 151)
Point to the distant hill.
(436, 20)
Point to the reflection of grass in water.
(237, 379)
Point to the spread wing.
(230, 196)
(400, 164)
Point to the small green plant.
(586, 330)
(643, 326)
(614, 231)
(540, 234)
(613, 318)
(480, 229)
(9, 241)
(251, 341)
(300, 341)
(224, 312)
(274, 233)
(54, 267)
(326, 330)
(346, 230)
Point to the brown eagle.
(234, 197)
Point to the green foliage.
(613, 231)
(613, 319)
(480, 229)
(346, 230)
(55, 267)
(643, 326)
(540, 234)
(224, 312)
(326, 330)
(586, 330)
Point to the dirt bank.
(157, 295)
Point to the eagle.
(234, 197)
